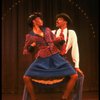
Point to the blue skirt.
(50, 67)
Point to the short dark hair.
(65, 17)
(32, 17)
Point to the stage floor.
(51, 96)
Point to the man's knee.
(81, 76)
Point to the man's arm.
(75, 48)
(75, 52)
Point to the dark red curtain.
(14, 28)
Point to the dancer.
(63, 21)
(47, 63)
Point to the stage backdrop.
(14, 27)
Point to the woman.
(47, 64)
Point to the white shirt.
(71, 44)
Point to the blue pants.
(77, 93)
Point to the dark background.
(85, 16)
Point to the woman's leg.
(69, 86)
(29, 87)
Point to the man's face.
(60, 22)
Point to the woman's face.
(38, 21)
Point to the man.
(62, 23)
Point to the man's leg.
(77, 93)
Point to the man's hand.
(78, 70)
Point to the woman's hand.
(25, 52)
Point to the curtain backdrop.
(14, 28)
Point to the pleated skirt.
(54, 66)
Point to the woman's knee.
(26, 78)
(74, 76)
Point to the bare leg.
(69, 86)
(29, 87)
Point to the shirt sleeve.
(28, 41)
(75, 49)
(53, 31)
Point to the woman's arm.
(29, 44)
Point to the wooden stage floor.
(51, 96)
